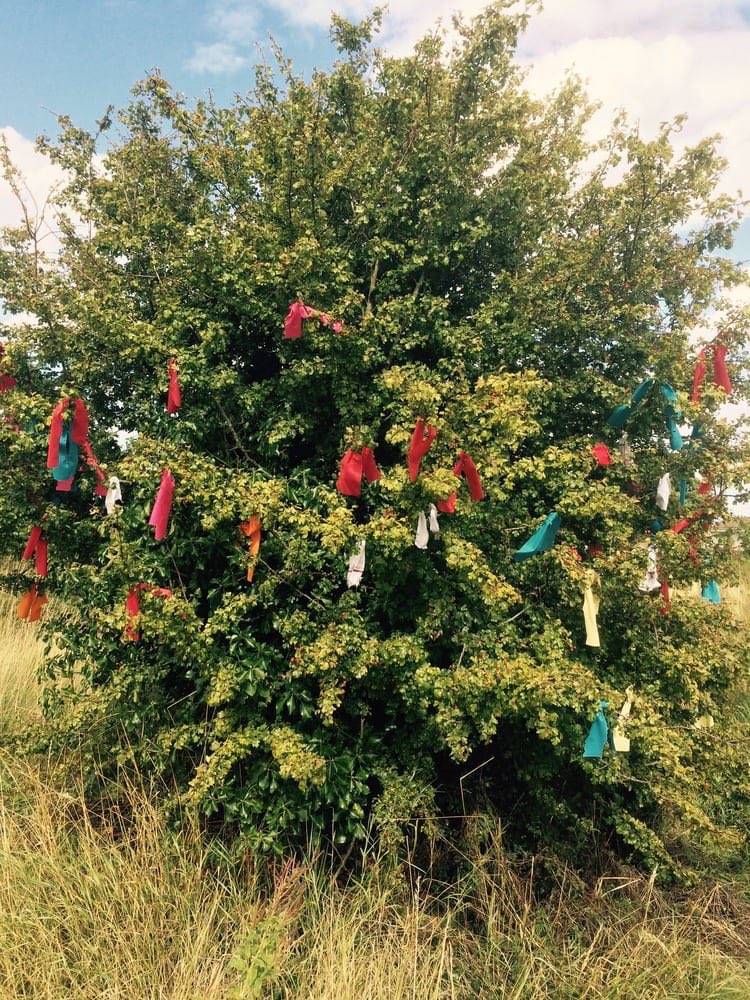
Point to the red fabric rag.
(472, 476)
(34, 536)
(419, 447)
(349, 481)
(601, 454)
(101, 484)
(159, 518)
(698, 376)
(174, 395)
(721, 375)
(369, 467)
(293, 322)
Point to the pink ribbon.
(159, 518)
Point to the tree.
(475, 271)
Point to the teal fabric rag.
(618, 418)
(598, 734)
(710, 591)
(542, 539)
(672, 414)
(68, 457)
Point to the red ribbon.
(354, 465)
(79, 430)
(720, 373)
(420, 445)
(133, 607)
(159, 518)
(36, 547)
(174, 395)
(6, 381)
(293, 322)
(100, 489)
(298, 312)
(463, 467)
(601, 454)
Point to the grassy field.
(120, 906)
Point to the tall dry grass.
(114, 903)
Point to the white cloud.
(219, 57)
(40, 177)
(235, 23)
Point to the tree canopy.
(459, 254)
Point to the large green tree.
(499, 277)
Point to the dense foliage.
(500, 278)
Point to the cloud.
(704, 75)
(39, 178)
(219, 57)
(235, 24)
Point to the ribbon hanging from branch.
(663, 491)
(133, 607)
(30, 606)
(251, 530)
(355, 465)
(542, 539)
(6, 381)
(590, 611)
(174, 394)
(621, 742)
(419, 446)
(298, 312)
(113, 494)
(159, 518)
(36, 548)
(718, 351)
(598, 734)
(356, 566)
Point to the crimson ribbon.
(159, 518)
(601, 454)
(298, 312)
(420, 445)
(100, 489)
(133, 607)
(463, 467)
(6, 381)
(720, 373)
(293, 322)
(79, 430)
(353, 466)
(36, 547)
(174, 395)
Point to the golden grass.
(115, 904)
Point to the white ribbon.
(650, 581)
(625, 450)
(422, 536)
(663, 492)
(621, 742)
(434, 523)
(113, 494)
(356, 566)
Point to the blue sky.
(656, 58)
(77, 57)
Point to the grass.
(117, 905)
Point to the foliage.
(498, 276)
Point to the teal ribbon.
(618, 418)
(683, 492)
(656, 525)
(710, 591)
(542, 539)
(672, 415)
(68, 457)
(598, 735)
